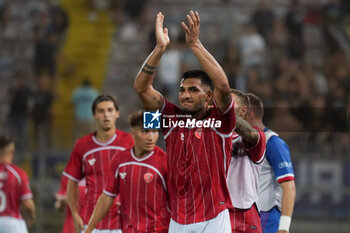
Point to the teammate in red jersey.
(139, 175)
(198, 140)
(244, 171)
(15, 193)
(61, 203)
(90, 158)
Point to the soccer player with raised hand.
(198, 156)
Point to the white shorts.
(103, 231)
(12, 225)
(219, 224)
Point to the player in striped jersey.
(90, 159)
(139, 175)
(198, 156)
(243, 174)
(276, 184)
(15, 193)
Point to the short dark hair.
(256, 104)
(199, 74)
(136, 119)
(102, 98)
(243, 98)
(5, 141)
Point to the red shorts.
(245, 220)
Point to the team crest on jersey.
(148, 177)
(182, 137)
(92, 161)
(198, 133)
(122, 175)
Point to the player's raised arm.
(222, 94)
(151, 98)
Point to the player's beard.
(198, 107)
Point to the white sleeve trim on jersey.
(224, 135)
(71, 177)
(15, 173)
(168, 133)
(263, 155)
(26, 196)
(284, 176)
(109, 193)
(163, 106)
(146, 165)
(228, 109)
(103, 148)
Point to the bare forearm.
(29, 211)
(146, 74)
(210, 66)
(288, 197)
(103, 205)
(72, 196)
(246, 131)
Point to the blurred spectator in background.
(45, 53)
(20, 96)
(59, 23)
(4, 14)
(41, 115)
(169, 71)
(294, 23)
(263, 19)
(252, 46)
(82, 99)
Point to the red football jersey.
(90, 159)
(141, 184)
(198, 160)
(14, 188)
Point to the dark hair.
(102, 98)
(136, 119)
(86, 82)
(243, 98)
(5, 141)
(205, 80)
(256, 104)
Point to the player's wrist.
(284, 223)
(195, 44)
(160, 48)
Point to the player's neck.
(105, 136)
(5, 159)
(139, 153)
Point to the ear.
(209, 95)
(117, 114)
(244, 111)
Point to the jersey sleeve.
(227, 118)
(111, 187)
(278, 154)
(74, 168)
(61, 193)
(257, 152)
(25, 190)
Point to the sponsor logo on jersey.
(198, 133)
(148, 177)
(92, 161)
(285, 164)
(122, 175)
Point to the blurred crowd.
(295, 59)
